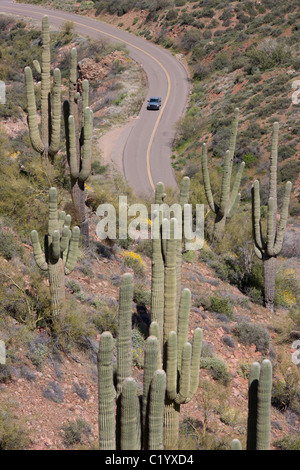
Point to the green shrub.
(217, 367)
(291, 442)
(285, 392)
(250, 159)
(138, 346)
(220, 304)
(9, 247)
(141, 296)
(12, 432)
(75, 431)
(289, 171)
(251, 333)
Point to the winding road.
(148, 145)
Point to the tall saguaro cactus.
(267, 250)
(127, 421)
(229, 201)
(79, 133)
(59, 257)
(180, 359)
(259, 408)
(46, 139)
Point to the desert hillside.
(243, 55)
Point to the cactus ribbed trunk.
(57, 290)
(106, 394)
(78, 197)
(269, 269)
(219, 227)
(171, 424)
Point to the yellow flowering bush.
(134, 261)
(287, 288)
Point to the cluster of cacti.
(228, 201)
(259, 408)
(47, 140)
(129, 420)
(79, 132)
(59, 256)
(267, 250)
(179, 358)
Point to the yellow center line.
(149, 55)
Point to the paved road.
(147, 150)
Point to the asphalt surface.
(148, 147)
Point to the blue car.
(154, 103)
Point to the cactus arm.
(234, 206)
(170, 320)
(150, 366)
(68, 220)
(234, 129)
(252, 406)
(256, 214)
(85, 95)
(53, 213)
(183, 319)
(74, 170)
(206, 180)
(34, 133)
(195, 362)
(156, 406)
(87, 145)
(159, 193)
(235, 195)
(129, 414)
(171, 365)
(185, 374)
(56, 112)
(235, 445)
(184, 191)
(106, 394)
(45, 82)
(65, 239)
(225, 189)
(283, 219)
(37, 66)
(37, 251)
(273, 166)
(55, 252)
(73, 251)
(61, 220)
(270, 227)
(124, 350)
(264, 405)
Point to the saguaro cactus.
(59, 257)
(179, 359)
(79, 133)
(228, 201)
(127, 421)
(267, 250)
(259, 408)
(46, 140)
